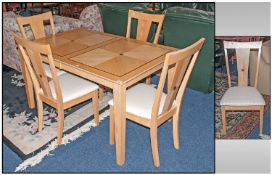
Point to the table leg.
(28, 84)
(119, 94)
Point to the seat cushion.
(72, 87)
(140, 99)
(48, 71)
(242, 96)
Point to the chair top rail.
(242, 45)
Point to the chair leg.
(154, 145)
(148, 80)
(112, 128)
(28, 84)
(224, 127)
(96, 107)
(261, 119)
(40, 113)
(60, 124)
(176, 131)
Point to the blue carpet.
(93, 153)
(10, 159)
(266, 127)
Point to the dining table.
(109, 60)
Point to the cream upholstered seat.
(242, 96)
(139, 100)
(72, 87)
(151, 107)
(48, 71)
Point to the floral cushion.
(10, 53)
(64, 23)
(91, 18)
(9, 21)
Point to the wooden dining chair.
(145, 21)
(61, 92)
(242, 97)
(36, 24)
(151, 107)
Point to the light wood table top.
(109, 56)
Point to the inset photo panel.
(242, 87)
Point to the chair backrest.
(36, 24)
(32, 54)
(242, 50)
(145, 21)
(181, 63)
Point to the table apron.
(88, 75)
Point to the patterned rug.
(239, 124)
(20, 123)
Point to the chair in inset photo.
(242, 97)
